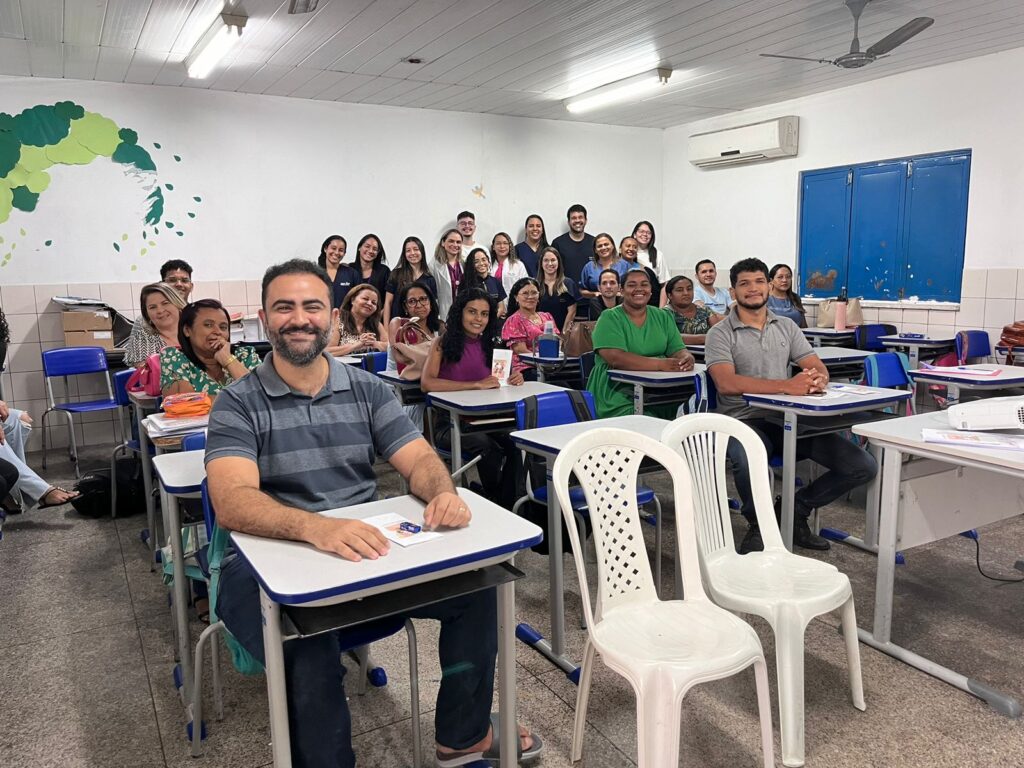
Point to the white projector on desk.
(991, 413)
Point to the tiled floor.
(85, 670)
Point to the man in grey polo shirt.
(752, 350)
(300, 436)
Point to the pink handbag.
(146, 377)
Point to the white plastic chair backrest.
(606, 463)
(703, 440)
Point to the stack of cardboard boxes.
(89, 326)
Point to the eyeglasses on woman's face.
(417, 300)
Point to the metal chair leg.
(414, 694)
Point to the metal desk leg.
(180, 594)
(277, 695)
(456, 434)
(540, 378)
(638, 399)
(508, 736)
(871, 510)
(915, 357)
(147, 485)
(880, 637)
(788, 478)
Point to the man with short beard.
(752, 350)
(300, 436)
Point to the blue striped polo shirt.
(314, 453)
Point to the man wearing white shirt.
(705, 294)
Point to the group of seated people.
(263, 480)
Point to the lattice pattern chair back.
(606, 462)
(702, 440)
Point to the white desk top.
(529, 357)
(854, 397)
(905, 432)
(392, 377)
(927, 341)
(828, 332)
(1009, 376)
(294, 573)
(180, 472)
(662, 378)
(840, 354)
(350, 360)
(475, 400)
(551, 440)
(142, 399)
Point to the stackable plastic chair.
(784, 589)
(662, 647)
(866, 336)
(75, 361)
(973, 346)
(357, 639)
(889, 370)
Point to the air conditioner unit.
(747, 143)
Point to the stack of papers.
(161, 425)
(992, 440)
(959, 370)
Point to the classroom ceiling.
(509, 57)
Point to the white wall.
(730, 213)
(277, 175)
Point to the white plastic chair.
(784, 589)
(662, 647)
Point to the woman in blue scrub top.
(782, 299)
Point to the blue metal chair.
(866, 336)
(356, 640)
(889, 370)
(75, 361)
(973, 345)
(375, 361)
(587, 361)
(194, 442)
(128, 443)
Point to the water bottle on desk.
(841, 311)
(548, 343)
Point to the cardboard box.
(88, 320)
(103, 339)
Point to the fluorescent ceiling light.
(214, 45)
(620, 90)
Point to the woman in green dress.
(204, 363)
(633, 337)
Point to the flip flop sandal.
(10, 506)
(51, 489)
(492, 756)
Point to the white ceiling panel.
(512, 57)
(83, 22)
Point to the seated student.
(178, 274)
(370, 263)
(461, 359)
(633, 337)
(605, 257)
(18, 476)
(558, 293)
(347, 417)
(525, 324)
(418, 321)
(160, 308)
(477, 271)
(609, 293)
(359, 326)
(692, 321)
(505, 264)
(752, 350)
(331, 259)
(411, 268)
(782, 300)
(705, 294)
(204, 362)
(628, 252)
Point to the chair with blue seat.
(889, 370)
(586, 366)
(552, 409)
(973, 346)
(375, 362)
(356, 640)
(866, 336)
(75, 361)
(128, 443)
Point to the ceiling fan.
(857, 58)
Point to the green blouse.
(657, 337)
(174, 367)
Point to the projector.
(992, 413)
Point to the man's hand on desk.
(446, 510)
(352, 539)
(807, 382)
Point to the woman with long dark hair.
(461, 359)
(650, 256)
(343, 277)
(359, 326)
(605, 257)
(535, 240)
(477, 274)
(505, 265)
(203, 361)
(370, 263)
(411, 267)
(558, 293)
(782, 299)
(417, 320)
(524, 324)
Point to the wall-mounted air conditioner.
(746, 144)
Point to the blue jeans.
(318, 715)
(848, 466)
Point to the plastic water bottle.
(548, 342)
(841, 311)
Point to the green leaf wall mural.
(35, 140)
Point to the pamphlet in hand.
(992, 440)
(400, 530)
(501, 365)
